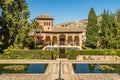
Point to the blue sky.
(70, 10)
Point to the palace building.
(59, 36)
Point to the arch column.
(73, 37)
(80, 41)
(66, 40)
(58, 39)
(44, 37)
(51, 40)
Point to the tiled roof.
(62, 29)
(66, 29)
(44, 16)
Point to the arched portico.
(54, 38)
(62, 39)
(70, 40)
(48, 40)
(76, 41)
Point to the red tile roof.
(44, 16)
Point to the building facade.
(56, 36)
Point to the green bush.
(73, 53)
(30, 54)
(7, 51)
(48, 54)
(51, 54)
(40, 46)
(86, 48)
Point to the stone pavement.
(95, 77)
(22, 77)
(56, 61)
(52, 72)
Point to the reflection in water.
(37, 68)
(96, 68)
(86, 68)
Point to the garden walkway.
(56, 61)
(52, 71)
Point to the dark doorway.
(62, 41)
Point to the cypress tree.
(92, 30)
(14, 14)
(117, 30)
(118, 15)
(1, 30)
(109, 31)
(22, 40)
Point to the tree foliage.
(92, 30)
(36, 28)
(107, 34)
(14, 14)
(118, 15)
(1, 29)
(110, 31)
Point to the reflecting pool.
(96, 68)
(23, 68)
(37, 68)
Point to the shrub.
(30, 54)
(7, 51)
(73, 53)
(49, 54)
(40, 46)
(86, 48)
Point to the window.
(46, 23)
(49, 23)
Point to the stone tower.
(46, 21)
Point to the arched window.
(76, 41)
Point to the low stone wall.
(97, 57)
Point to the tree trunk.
(35, 38)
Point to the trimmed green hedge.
(30, 54)
(74, 53)
(50, 54)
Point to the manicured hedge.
(50, 54)
(74, 53)
(30, 54)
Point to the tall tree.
(1, 29)
(8, 31)
(118, 15)
(109, 31)
(22, 38)
(92, 30)
(117, 30)
(15, 14)
(36, 27)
